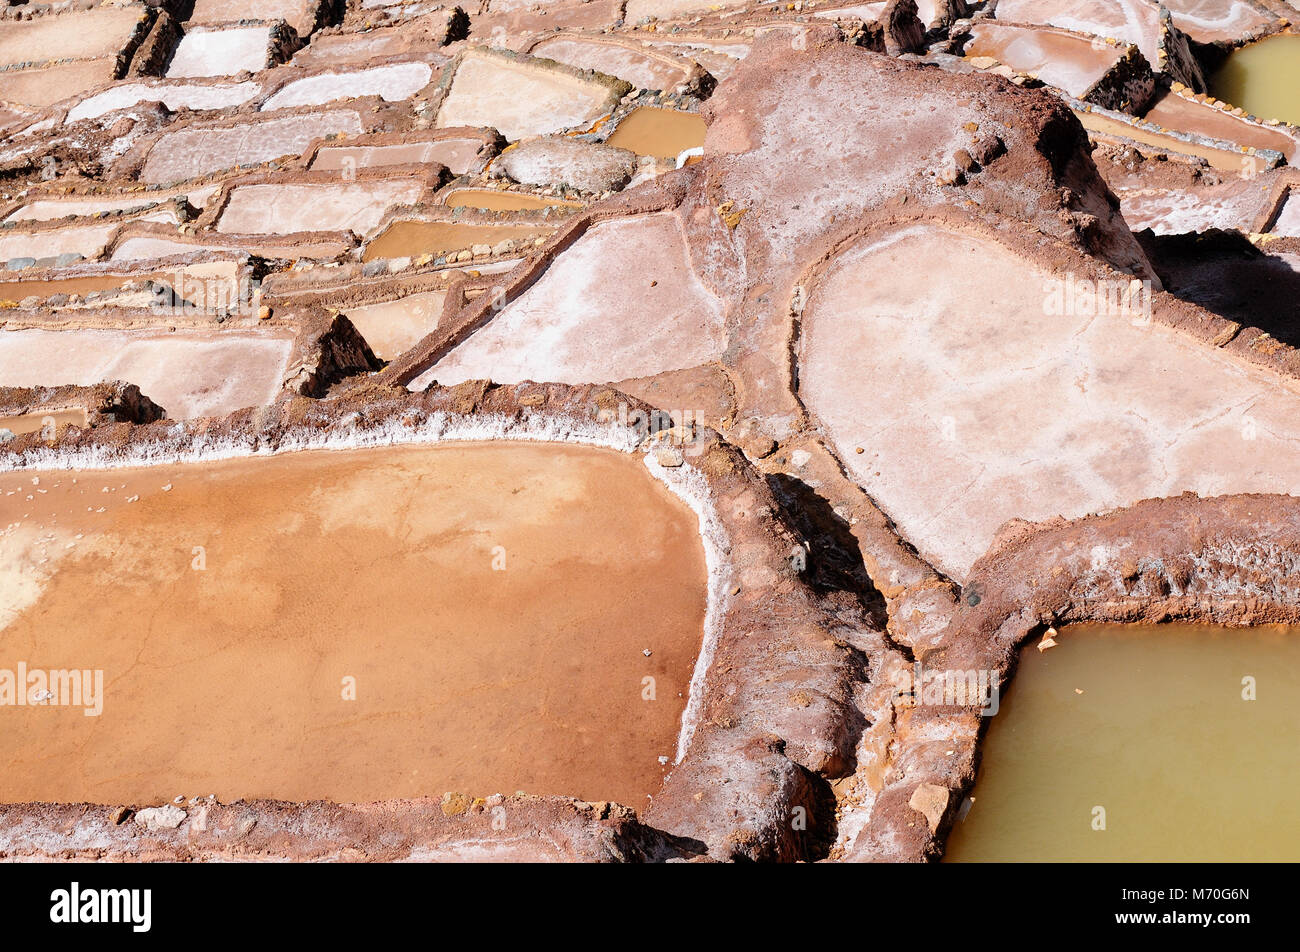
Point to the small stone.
(119, 815)
(454, 804)
(668, 456)
(160, 818)
(264, 313)
(930, 800)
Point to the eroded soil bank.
(493, 602)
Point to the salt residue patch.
(51, 209)
(283, 209)
(22, 574)
(1288, 221)
(188, 374)
(519, 100)
(188, 153)
(221, 52)
(1039, 407)
(219, 96)
(85, 241)
(594, 316)
(392, 83)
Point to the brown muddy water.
(31, 422)
(662, 133)
(350, 626)
(1140, 743)
(1263, 78)
(410, 239)
(497, 201)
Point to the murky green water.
(1160, 757)
(1263, 78)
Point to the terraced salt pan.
(85, 240)
(519, 100)
(1122, 716)
(410, 239)
(332, 50)
(139, 248)
(1227, 157)
(48, 209)
(50, 84)
(85, 34)
(507, 660)
(458, 155)
(297, 13)
(1211, 21)
(189, 153)
(719, 64)
(1065, 61)
(1133, 21)
(275, 209)
(1231, 206)
(866, 12)
(393, 83)
(623, 301)
(394, 327)
(1173, 111)
(1024, 412)
(212, 282)
(189, 374)
(220, 52)
(1288, 220)
(173, 96)
(640, 69)
(665, 9)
